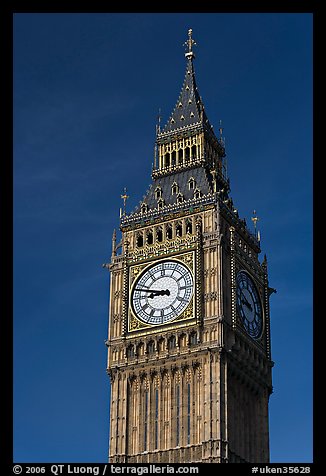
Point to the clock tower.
(189, 355)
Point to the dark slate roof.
(189, 109)
(202, 183)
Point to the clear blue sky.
(87, 90)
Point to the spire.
(189, 109)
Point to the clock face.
(162, 292)
(249, 305)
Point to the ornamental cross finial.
(189, 44)
(124, 197)
(254, 219)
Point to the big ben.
(189, 355)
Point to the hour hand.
(245, 301)
(154, 292)
(162, 292)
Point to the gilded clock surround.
(194, 389)
(189, 314)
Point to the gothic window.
(180, 154)
(178, 229)
(179, 198)
(143, 207)
(130, 352)
(160, 203)
(140, 240)
(193, 338)
(189, 226)
(158, 193)
(169, 232)
(172, 343)
(197, 193)
(167, 160)
(149, 237)
(159, 235)
(187, 153)
(140, 349)
(161, 345)
(194, 152)
(151, 347)
(191, 183)
(173, 157)
(174, 188)
(183, 340)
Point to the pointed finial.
(221, 129)
(158, 127)
(254, 219)
(114, 243)
(189, 44)
(124, 197)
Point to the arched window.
(183, 340)
(160, 203)
(180, 156)
(197, 193)
(179, 198)
(151, 347)
(139, 240)
(191, 183)
(167, 159)
(159, 234)
(140, 349)
(161, 345)
(173, 157)
(169, 233)
(187, 153)
(172, 343)
(189, 227)
(178, 229)
(143, 207)
(194, 152)
(193, 338)
(149, 238)
(158, 193)
(130, 352)
(174, 188)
